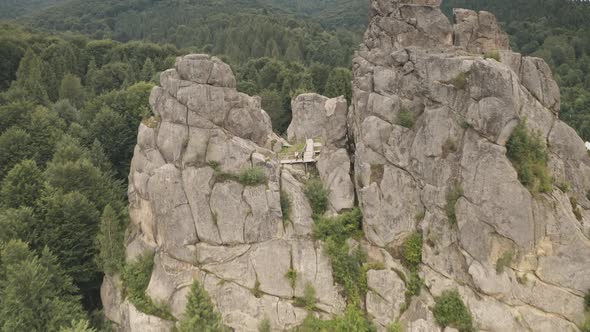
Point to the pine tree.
(72, 90)
(200, 314)
(22, 185)
(148, 71)
(110, 240)
(29, 77)
(35, 293)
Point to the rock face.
(201, 226)
(465, 108)
(458, 109)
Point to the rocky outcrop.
(422, 150)
(189, 207)
(464, 107)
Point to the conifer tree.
(29, 77)
(148, 70)
(200, 314)
(339, 83)
(72, 90)
(110, 240)
(22, 185)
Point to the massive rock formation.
(465, 108)
(459, 92)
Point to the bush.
(309, 300)
(459, 81)
(452, 197)
(412, 251)
(264, 326)
(449, 147)
(586, 326)
(377, 173)
(504, 261)
(347, 268)
(413, 285)
(253, 176)
(394, 327)
(353, 319)
(317, 196)
(492, 55)
(529, 157)
(136, 278)
(292, 276)
(406, 119)
(449, 310)
(286, 206)
(587, 300)
(200, 314)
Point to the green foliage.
(529, 156)
(353, 320)
(264, 326)
(492, 55)
(309, 300)
(35, 293)
(253, 176)
(78, 326)
(200, 314)
(448, 147)
(17, 224)
(412, 251)
(460, 81)
(292, 276)
(29, 78)
(586, 325)
(504, 261)
(317, 195)
(347, 268)
(72, 90)
(136, 278)
(395, 327)
(587, 300)
(14, 147)
(22, 185)
(339, 83)
(450, 310)
(110, 240)
(406, 119)
(413, 285)
(453, 196)
(286, 206)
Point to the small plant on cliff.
(450, 310)
(200, 314)
(529, 156)
(136, 278)
(317, 196)
(292, 276)
(308, 300)
(504, 261)
(576, 208)
(452, 197)
(492, 55)
(253, 176)
(412, 251)
(394, 327)
(406, 119)
(459, 81)
(377, 171)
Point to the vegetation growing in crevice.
(264, 326)
(136, 278)
(450, 310)
(452, 197)
(459, 81)
(377, 171)
(529, 156)
(292, 276)
(110, 239)
(492, 55)
(200, 313)
(448, 147)
(317, 195)
(308, 300)
(286, 205)
(575, 208)
(504, 261)
(354, 319)
(406, 118)
(412, 251)
(256, 290)
(347, 268)
(250, 176)
(394, 327)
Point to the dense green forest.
(74, 86)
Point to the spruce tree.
(110, 240)
(148, 70)
(200, 314)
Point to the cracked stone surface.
(203, 225)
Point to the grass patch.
(347, 268)
(292, 276)
(448, 147)
(406, 119)
(529, 157)
(564, 186)
(394, 327)
(413, 285)
(492, 55)
(459, 81)
(308, 300)
(504, 261)
(293, 148)
(317, 196)
(354, 320)
(253, 176)
(286, 206)
(452, 197)
(412, 251)
(136, 278)
(450, 310)
(377, 173)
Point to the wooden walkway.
(310, 153)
